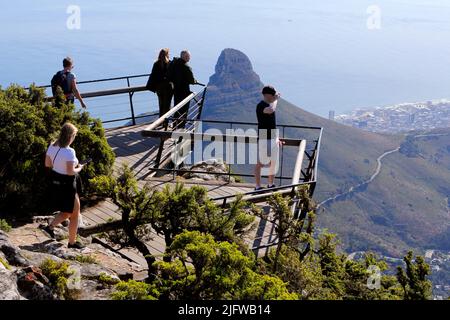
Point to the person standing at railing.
(267, 136)
(67, 81)
(181, 75)
(158, 81)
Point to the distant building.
(331, 115)
(361, 124)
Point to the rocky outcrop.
(215, 169)
(24, 249)
(11, 252)
(233, 83)
(34, 285)
(8, 285)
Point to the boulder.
(8, 285)
(94, 271)
(34, 285)
(11, 252)
(37, 258)
(211, 165)
(92, 290)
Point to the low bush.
(28, 124)
(4, 226)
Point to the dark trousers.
(182, 114)
(164, 98)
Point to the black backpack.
(60, 80)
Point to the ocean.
(321, 55)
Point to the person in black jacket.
(180, 74)
(158, 81)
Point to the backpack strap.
(56, 156)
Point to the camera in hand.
(84, 162)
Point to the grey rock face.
(34, 285)
(234, 82)
(216, 168)
(11, 252)
(8, 285)
(37, 258)
(24, 249)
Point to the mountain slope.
(402, 208)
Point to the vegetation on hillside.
(206, 257)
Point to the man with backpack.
(67, 81)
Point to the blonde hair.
(68, 131)
(163, 56)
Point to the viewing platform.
(158, 150)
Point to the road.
(374, 176)
(363, 184)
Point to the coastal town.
(399, 118)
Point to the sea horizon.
(321, 57)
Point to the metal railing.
(156, 130)
(188, 123)
(301, 176)
(130, 90)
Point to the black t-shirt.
(265, 120)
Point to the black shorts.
(63, 189)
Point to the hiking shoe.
(259, 188)
(271, 186)
(76, 245)
(50, 232)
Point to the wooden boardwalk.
(140, 154)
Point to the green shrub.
(106, 279)
(4, 226)
(204, 269)
(134, 290)
(28, 124)
(58, 274)
(85, 259)
(5, 264)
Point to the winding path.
(377, 171)
(354, 188)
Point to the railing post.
(200, 109)
(229, 153)
(130, 94)
(281, 166)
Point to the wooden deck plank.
(87, 221)
(100, 216)
(112, 214)
(91, 215)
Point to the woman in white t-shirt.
(61, 158)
